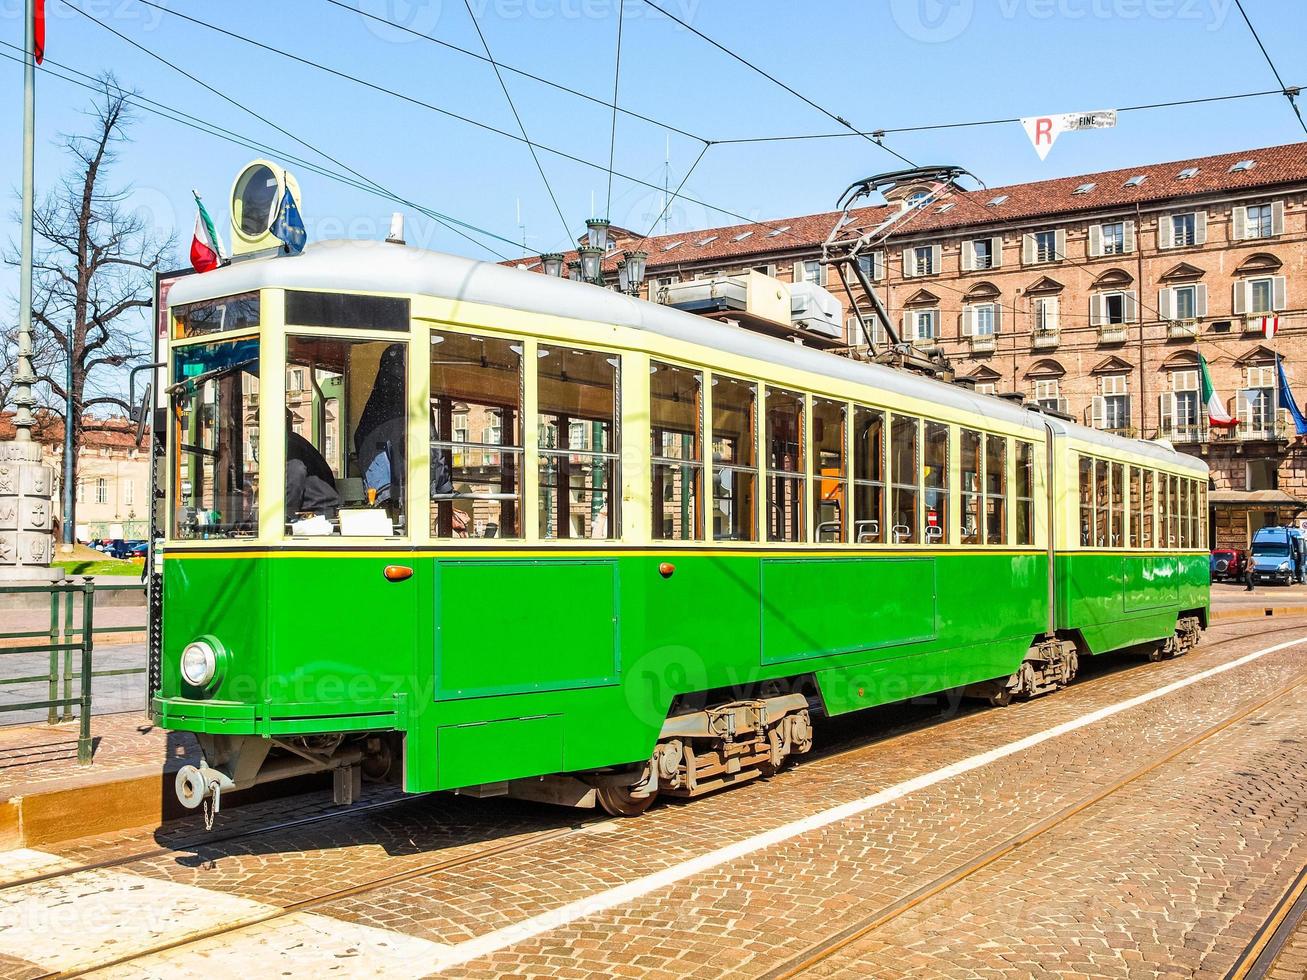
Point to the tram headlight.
(199, 663)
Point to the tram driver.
(310, 484)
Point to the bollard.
(84, 723)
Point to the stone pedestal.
(26, 514)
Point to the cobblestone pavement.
(1169, 876)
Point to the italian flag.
(206, 250)
(1216, 413)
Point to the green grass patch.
(105, 566)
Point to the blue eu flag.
(289, 227)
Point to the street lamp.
(553, 263)
(591, 258)
(623, 284)
(574, 271)
(597, 233)
(635, 267)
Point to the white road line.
(493, 942)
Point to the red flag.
(39, 26)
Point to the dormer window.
(996, 201)
(947, 206)
(1136, 180)
(1187, 173)
(1242, 165)
(778, 231)
(677, 244)
(1085, 188)
(706, 241)
(741, 236)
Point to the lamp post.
(636, 262)
(25, 506)
(574, 270)
(592, 258)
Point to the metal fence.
(70, 645)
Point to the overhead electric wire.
(437, 109)
(93, 84)
(256, 115)
(506, 67)
(668, 203)
(612, 136)
(1290, 94)
(930, 127)
(567, 229)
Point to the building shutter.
(1243, 409)
(1096, 310)
(878, 264)
(1200, 227)
(998, 316)
(1095, 241)
(1059, 239)
(1200, 300)
(1128, 236)
(968, 321)
(1277, 217)
(1278, 293)
(905, 331)
(1240, 298)
(1051, 318)
(996, 251)
(1166, 411)
(1166, 304)
(1098, 412)
(909, 267)
(798, 271)
(1028, 249)
(1131, 304)
(936, 259)
(968, 256)
(1238, 223)
(1165, 231)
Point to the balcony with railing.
(1182, 329)
(981, 343)
(1044, 339)
(1112, 333)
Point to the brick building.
(1092, 294)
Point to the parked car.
(137, 549)
(1228, 564)
(1273, 555)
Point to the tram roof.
(383, 267)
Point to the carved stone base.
(26, 515)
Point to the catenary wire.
(93, 84)
(509, 68)
(445, 112)
(567, 229)
(930, 127)
(248, 110)
(612, 136)
(1293, 102)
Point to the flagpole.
(23, 400)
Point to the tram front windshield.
(214, 405)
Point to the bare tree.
(93, 268)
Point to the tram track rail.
(1262, 951)
(837, 749)
(837, 942)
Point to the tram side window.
(1204, 537)
(936, 480)
(868, 475)
(1172, 513)
(346, 436)
(735, 463)
(216, 432)
(1147, 507)
(829, 509)
(1185, 511)
(1118, 506)
(972, 464)
(995, 489)
(1023, 521)
(1102, 502)
(476, 436)
(785, 466)
(905, 474)
(1086, 501)
(578, 438)
(1135, 505)
(675, 426)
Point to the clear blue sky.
(879, 64)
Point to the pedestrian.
(1249, 574)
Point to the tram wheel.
(1002, 697)
(619, 801)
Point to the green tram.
(478, 529)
